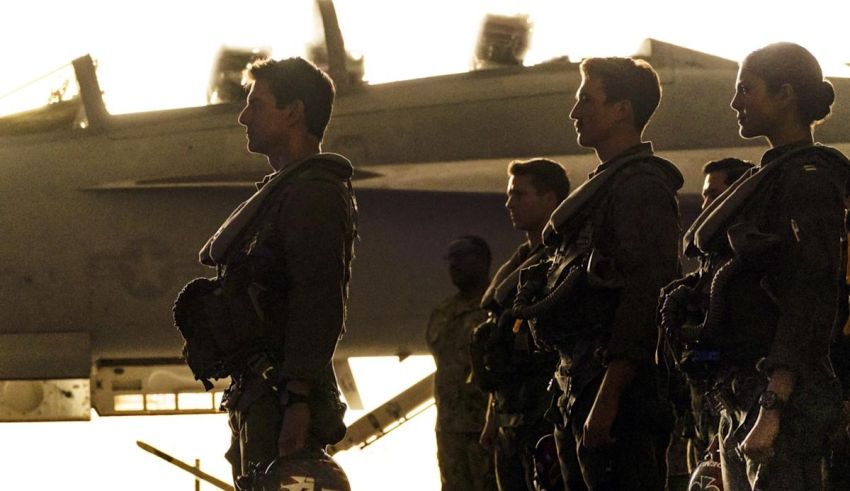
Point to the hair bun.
(825, 96)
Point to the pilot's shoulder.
(652, 173)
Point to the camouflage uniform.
(464, 463)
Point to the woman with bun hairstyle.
(773, 247)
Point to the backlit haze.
(158, 54)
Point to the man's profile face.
(265, 123)
(594, 117)
(714, 184)
(529, 209)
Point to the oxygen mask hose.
(524, 309)
(717, 303)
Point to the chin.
(747, 132)
(255, 148)
(584, 141)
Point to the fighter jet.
(102, 215)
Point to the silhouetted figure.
(772, 257)
(616, 238)
(284, 262)
(464, 463)
(719, 175)
(699, 420)
(505, 361)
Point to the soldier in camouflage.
(464, 464)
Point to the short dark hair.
(547, 175)
(628, 79)
(298, 79)
(479, 246)
(732, 167)
(792, 64)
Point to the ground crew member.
(461, 405)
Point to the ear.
(295, 111)
(625, 112)
(785, 94)
(551, 200)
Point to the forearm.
(781, 381)
(600, 421)
(759, 443)
(619, 374)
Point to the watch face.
(768, 400)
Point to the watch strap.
(295, 398)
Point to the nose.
(243, 117)
(509, 202)
(735, 103)
(574, 111)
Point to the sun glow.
(159, 54)
(102, 454)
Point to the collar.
(775, 153)
(640, 148)
(283, 169)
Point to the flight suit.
(634, 230)
(461, 406)
(781, 307)
(837, 471)
(291, 266)
(521, 375)
(838, 462)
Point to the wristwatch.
(771, 400)
(295, 398)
